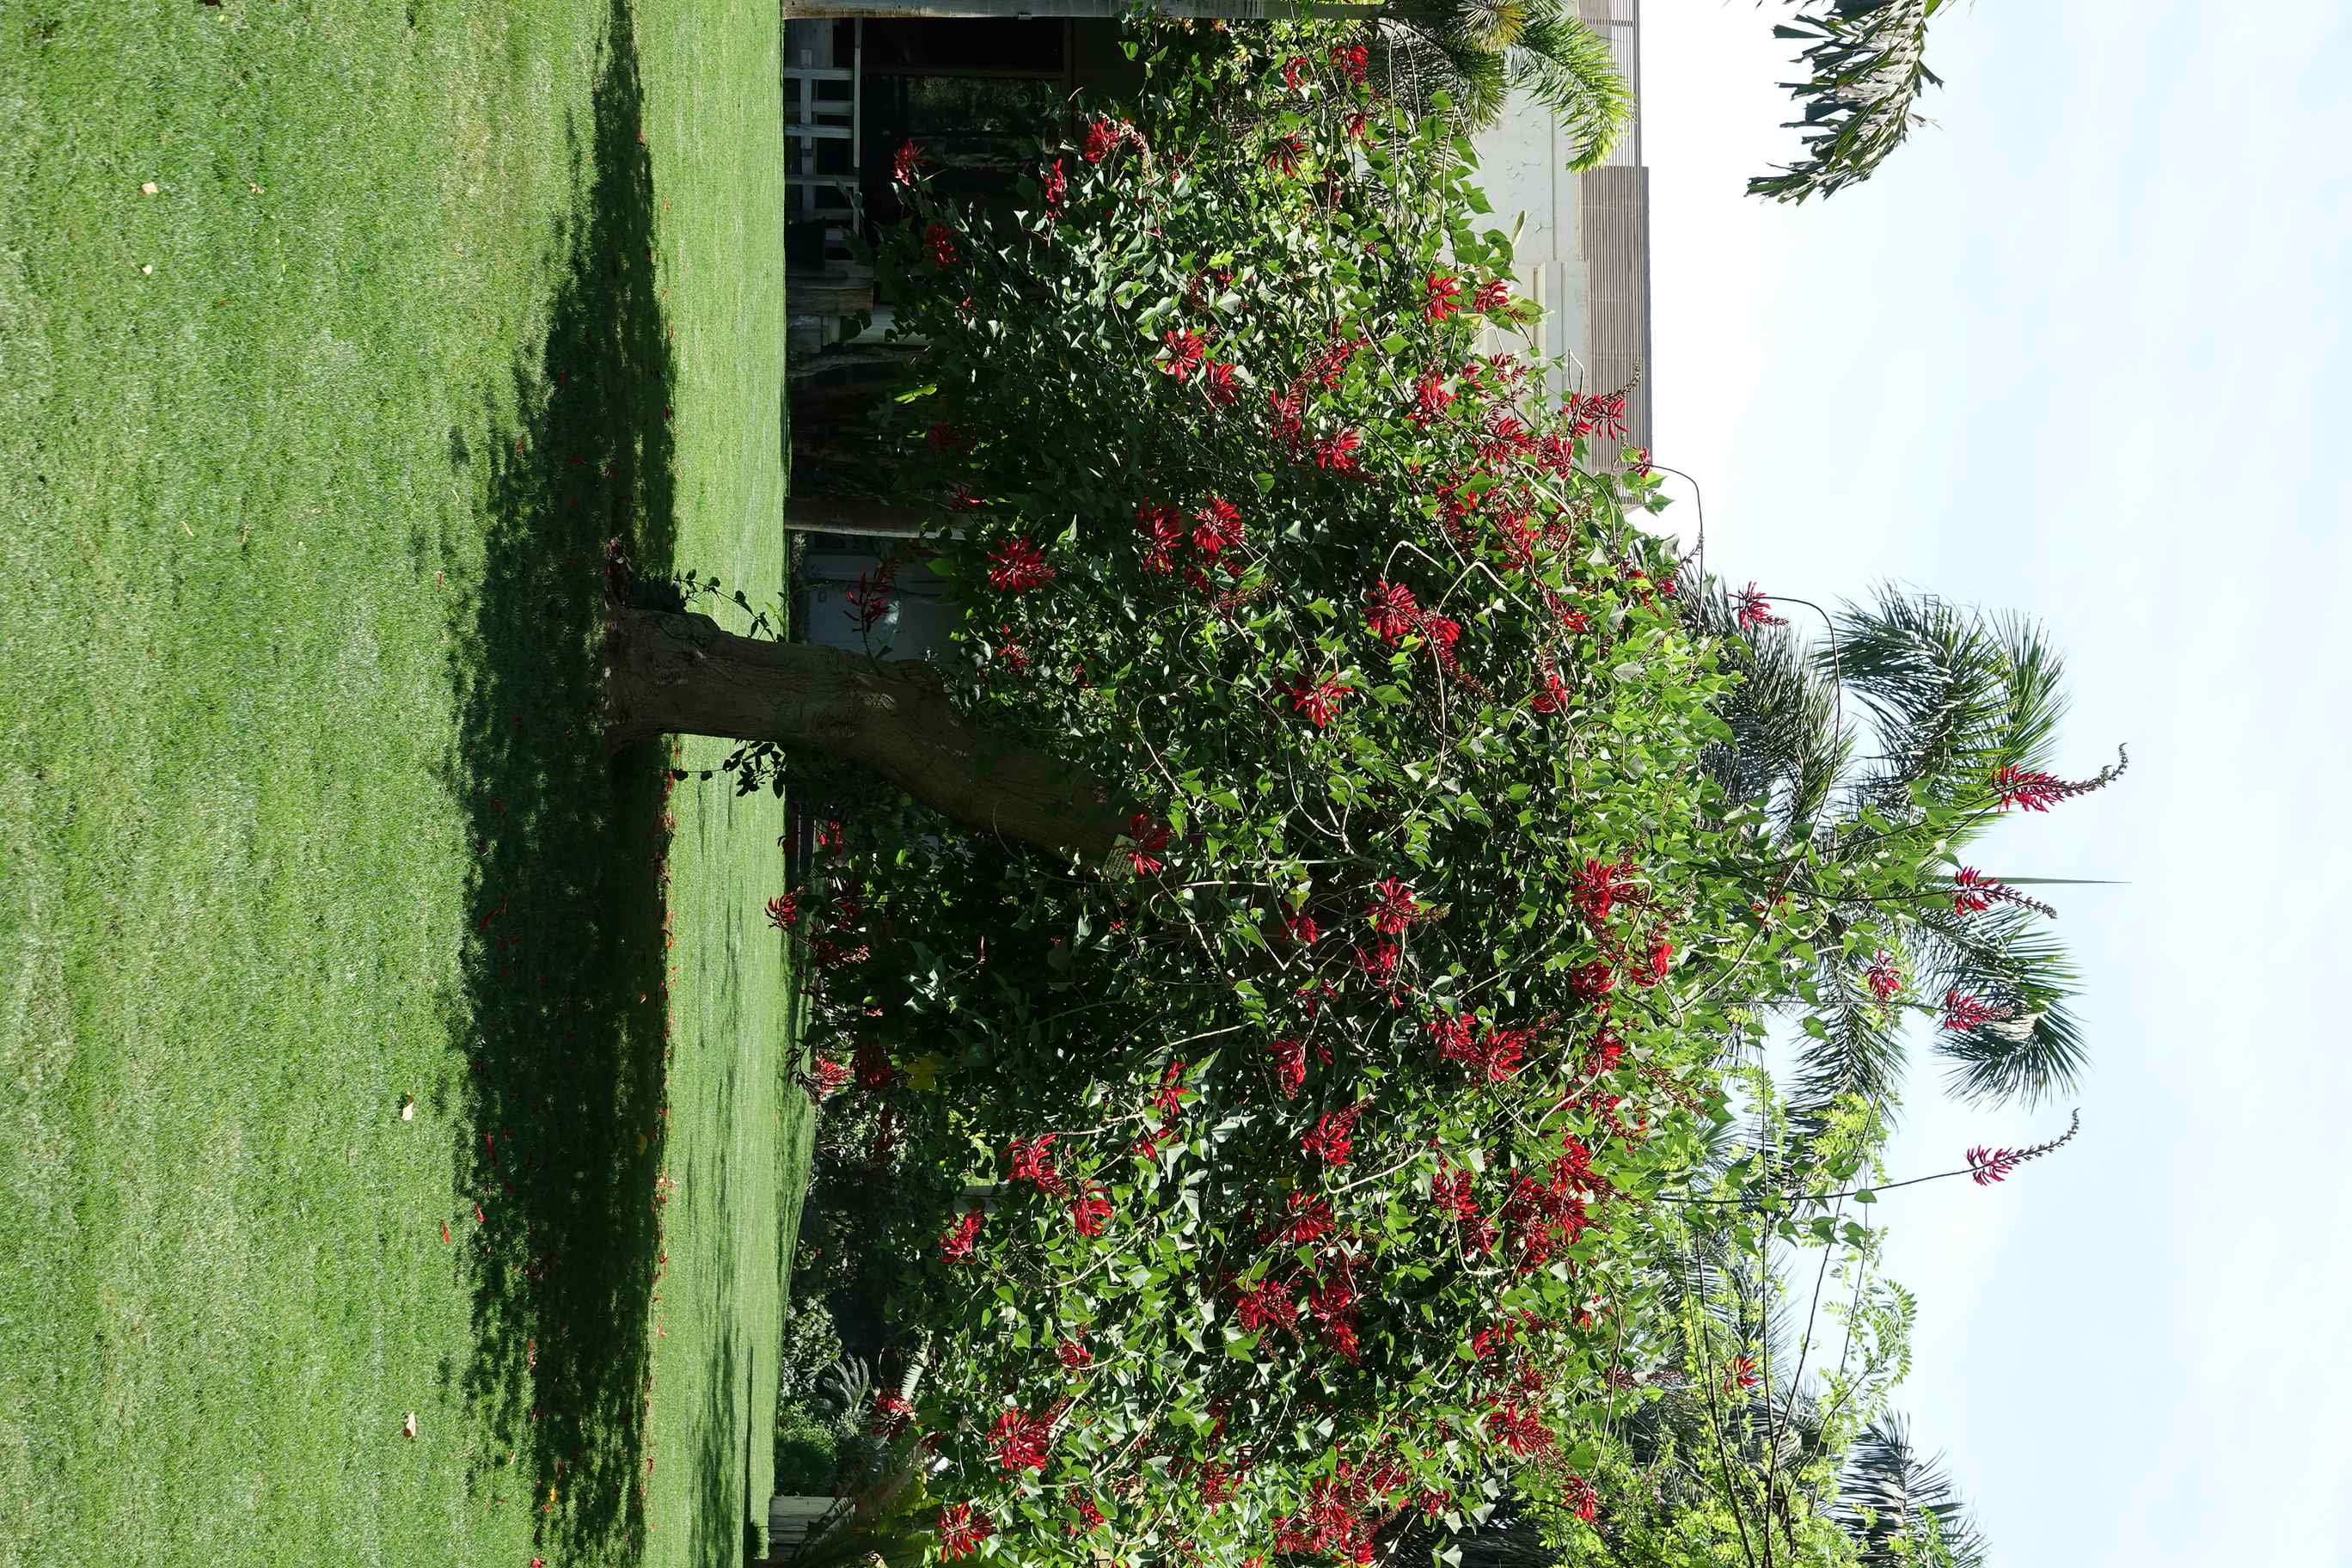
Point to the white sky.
(2077, 351)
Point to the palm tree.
(1944, 699)
(1475, 52)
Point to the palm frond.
(1476, 51)
(1951, 695)
(1786, 752)
(1860, 1050)
(2006, 959)
(1868, 66)
(1899, 1508)
(1569, 68)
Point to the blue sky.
(2078, 352)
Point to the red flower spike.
(1020, 1442)
(1393, 907)
(957, 1244)
(1317, 698)
(906, 164)
(1018, 565)
(940, 240)
(1185, 351)
(1149, 838)
(1882, 977)
(2037, 791)
(1440, 297)
(961, 1528)
(1987, 1166)
(1393, 611)
(1753, 607)
(1963, 1013)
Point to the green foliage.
(1360, 1140)
(1462, 59)
(1868, 65)
(807, 1450)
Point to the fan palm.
(1475, 52)
(1943, 698)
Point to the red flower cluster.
(939, 239)
(1603, 411)
(1431, 396)
(958, 1242)
(1055, 187)
(1393, 612)
(1336, 453)
(1309, 1220)
(1103, 138)
(1577, 1496)
(1074, 1354)
(1602, 885)
(1751, 603)
(1032, 1160)
(829, 1078)
(1217, 381)
(1440, 297)
(1318, 699)
(2037, 791)
(1351, 60)
(870, 601)
(1882, 977)
(1090, 1211)
(1216, 526)
(1021, 1442)
(1017, 565)
(1491, 1054)
(1283, 154)
(1551, 696)
(1333, 1138)
(1988, 1165)
(1963, 1013)
(889, 1415)
(1290, 1066)
(1260, 1305)
(1520, 1430)
(1393, 907)
(906, 164)
(1163, 534)
(1493, 295)
(1149, 837)
(1186, 348)
(784, 912)
(961, 1529)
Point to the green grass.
(308, 461)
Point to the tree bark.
(672, 672)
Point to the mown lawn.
(309, 459)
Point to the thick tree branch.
(670, 672)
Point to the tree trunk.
(1107, 10)
(670, 672)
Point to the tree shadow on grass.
(557, 1219)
